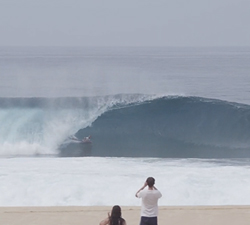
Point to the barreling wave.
(173, 127)
(125, 125)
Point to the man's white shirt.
(149, 198)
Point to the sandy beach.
(174, 215)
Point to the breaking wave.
(125, 126)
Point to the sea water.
(181, 115)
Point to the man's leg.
(152, 221)
(148, 220)
(144, 220)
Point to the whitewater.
(181, 115)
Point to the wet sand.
(92, 215)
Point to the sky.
(124, 23)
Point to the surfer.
(86, 139)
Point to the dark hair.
(115, 217)
(150, 181)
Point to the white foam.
(108, 181)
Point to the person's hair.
(115, 217)
(150, 181)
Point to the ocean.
(181, 115)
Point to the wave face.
(125, 126)
(173, 127)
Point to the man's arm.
(145, 185)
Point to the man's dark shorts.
(148, 220)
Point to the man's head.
(150, 181)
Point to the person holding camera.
(149, 207)
(115, 218)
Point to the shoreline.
(76, 215)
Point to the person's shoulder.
(123, 221)
(158, 193)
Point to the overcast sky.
(125, 23)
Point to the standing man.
(149, 207)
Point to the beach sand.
(92, 215)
